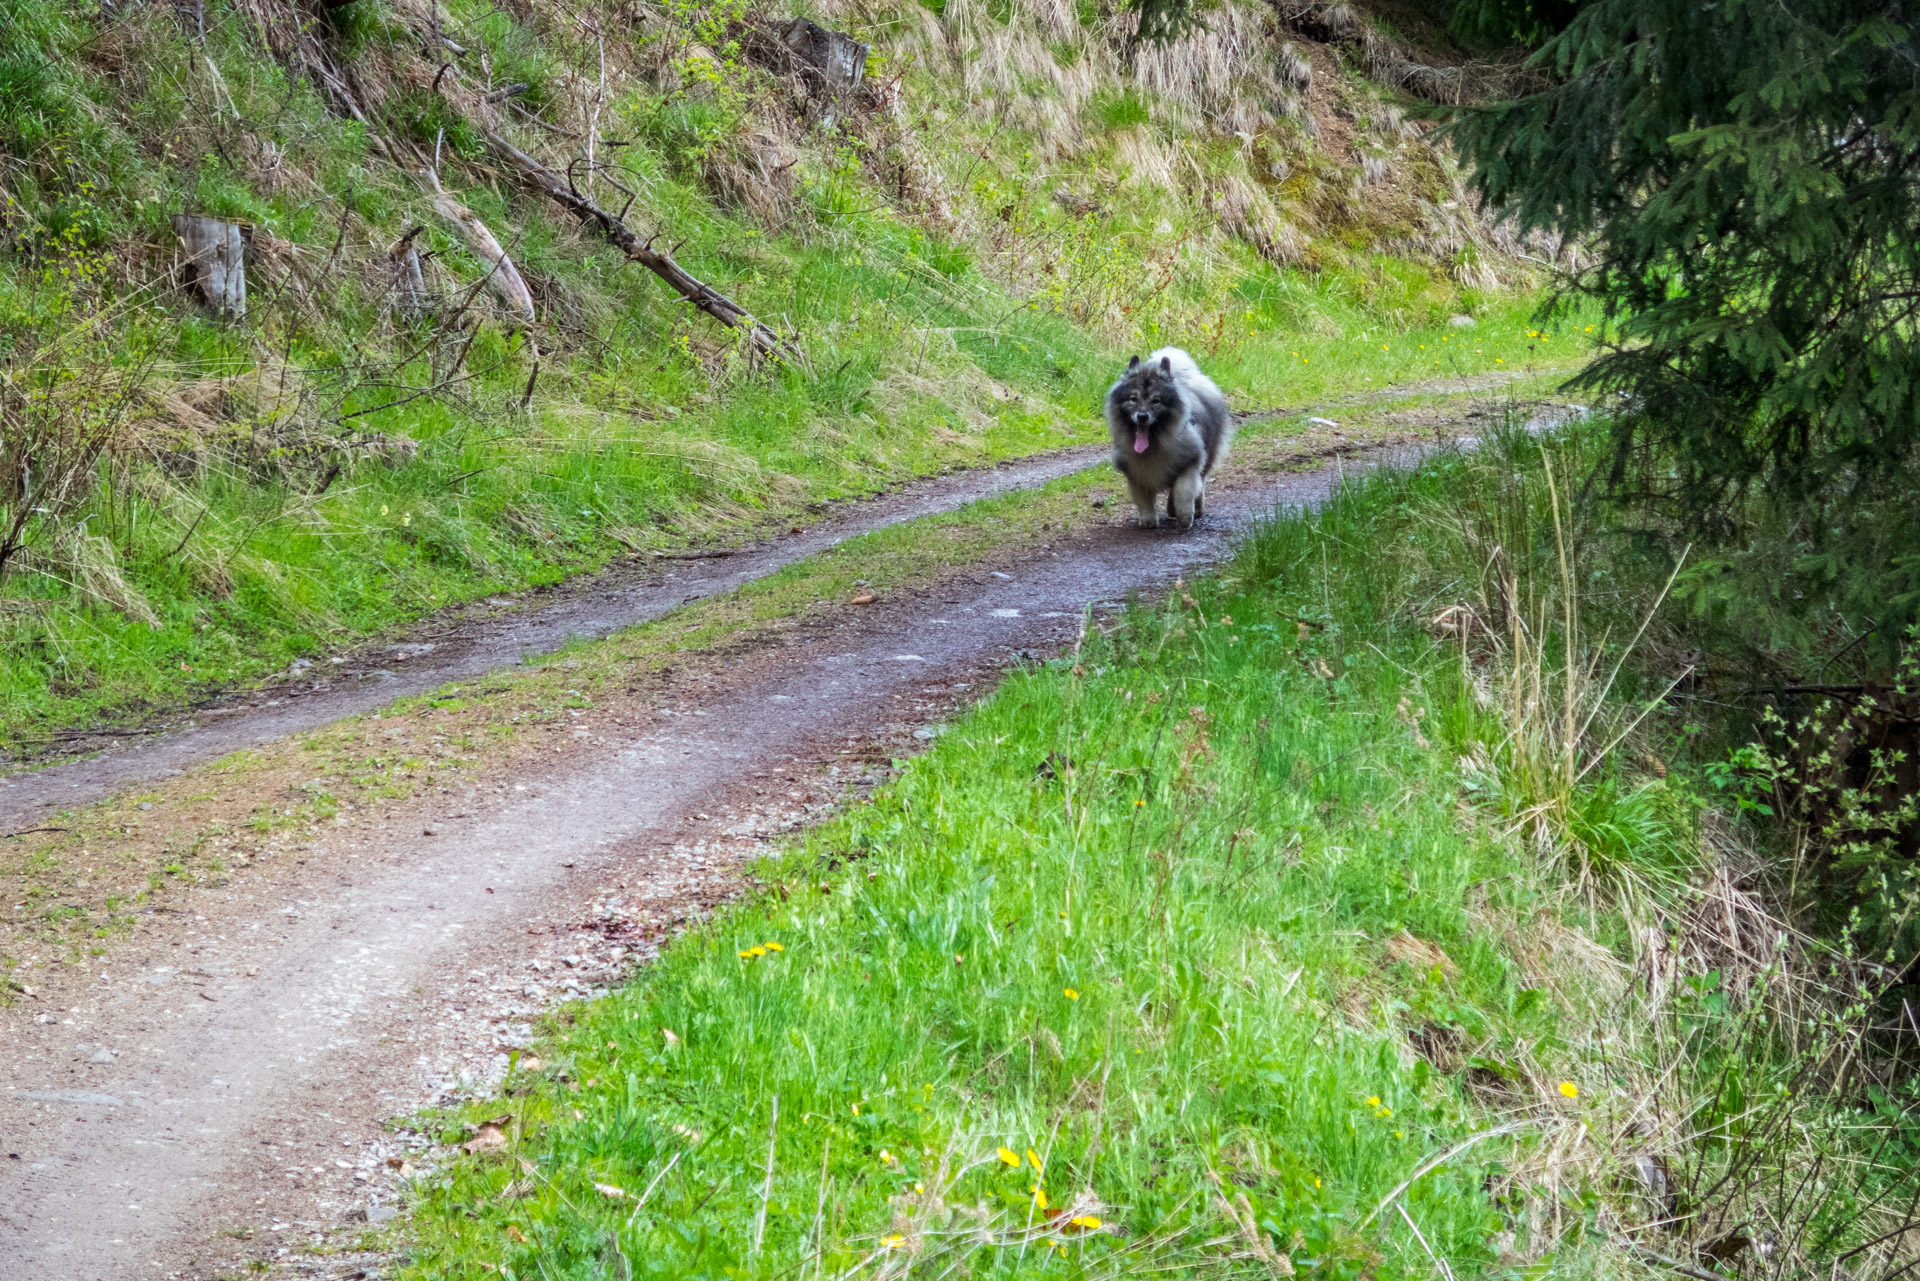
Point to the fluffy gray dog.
(1170, 427)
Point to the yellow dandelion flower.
(1039, 1197)
(1071, 994)
(771, 946)
(1373, 1100)
(1009, 1156)
(1090, 1222)
(1316, 1183)
(1569, 1089)
(755, 952)
(1034, 1158)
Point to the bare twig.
(181, 545)
(1684, 1269)
(1439, 1159)
(766, 1189)
(708, 299)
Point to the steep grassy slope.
(958, 257)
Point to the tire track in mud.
(241, 1086)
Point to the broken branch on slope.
(702, 295)
(502, 275)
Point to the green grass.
(1298, 925)
(1186, 959)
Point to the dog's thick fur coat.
(1170, 428)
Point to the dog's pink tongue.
(1140, 442)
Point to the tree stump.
(836, 58)
(831, 64)
(215, 269)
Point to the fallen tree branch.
(622, 237)
(502, 275)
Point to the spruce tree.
(1744, 178)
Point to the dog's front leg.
(1186, 491)
(1143, 504)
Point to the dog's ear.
(1133, 364)
(1166, 364)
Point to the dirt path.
(217, 1097)
(447, 650)
(461, 644)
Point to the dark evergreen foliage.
(1163, 21)
(1746, 177)
(1526, 22)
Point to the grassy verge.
(493, 502)
(82, 887)
(1276, 931)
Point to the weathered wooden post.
(832, 63)
(216, 263)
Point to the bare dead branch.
(764, 341)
